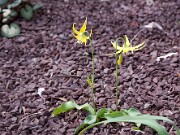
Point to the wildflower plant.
(125, 49)
(106, 115)
(83, 36)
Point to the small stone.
(79, 73)
(113, 106)
(21, 39)
(55, 36)
(106, 70)
(146, 105)
(155, 80)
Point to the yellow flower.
(125, 48)
(82, 36)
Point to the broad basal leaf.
(101, 112)
(80, 127)
(133, 112)
(70, 105)
(90, 119)
(148, 120)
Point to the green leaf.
(13, 13)
(70, 105)
(10, 31)
(90, 126)
(115, 114)
(27, 12)
(2, 2)
(90, 119)
(37, 6)
(133, 112)
(6, 12)
(177, 130)
(101, 112)
(14, 4)
(80, 127)
(147, 120)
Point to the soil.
(46, 55)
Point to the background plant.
(10, 10)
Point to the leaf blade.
(70, 105)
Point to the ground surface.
(46, 55)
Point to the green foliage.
(27, 12)
(10, 10)
(2, 2)
(89, 80)
(70, 105)
(10, 30)
(104, 115)
(14, 4)
(37, 6)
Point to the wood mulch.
(46, 55)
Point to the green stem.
(92, 76)
(117, 80)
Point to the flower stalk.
(82, 37)
(92, 75)
(117, 91)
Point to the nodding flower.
(82, 35)
(126, 47)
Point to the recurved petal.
(114, 45)
(137, 47)
(120, 59)
(126, 43)
(83, 28)
(74, 29)
(75, 36)
(119, 51)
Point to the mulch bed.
(46, 55)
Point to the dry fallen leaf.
(165, 56)
(40, 90)
(153, 25)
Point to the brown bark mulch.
(45, 55)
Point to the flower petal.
(126, 43)
(120, 59)
(137, 47)
(83, 28)
(114, 45)
(74, 30)
(119, 51)
(75, 36)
